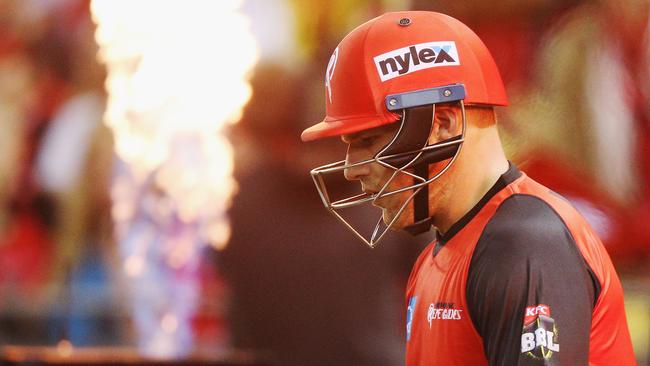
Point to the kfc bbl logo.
(539, 338)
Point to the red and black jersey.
(521, 279)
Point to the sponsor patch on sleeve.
(539, 338)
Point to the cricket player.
(516, 276)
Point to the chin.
(399, 224)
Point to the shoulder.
(525, 226)
(526, 257)
(526, 243)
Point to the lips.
(372, 191)
(369, 193)
(375, 202)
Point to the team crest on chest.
(409, 315)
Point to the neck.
(480, 163)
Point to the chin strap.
(413, 136)
(421, 215)
(421, 218)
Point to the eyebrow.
(348, 138)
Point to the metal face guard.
(397, 162)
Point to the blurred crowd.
(303, 290)
(54, 175)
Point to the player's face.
(365, 145)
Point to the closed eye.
(364, 142)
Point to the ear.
(446, 124)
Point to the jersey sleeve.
(530, 293)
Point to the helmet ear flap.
(406, 149)
(413, 135)
(407, 145)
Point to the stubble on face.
(365, 145)
(392, 204)
(437, 196)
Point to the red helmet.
(398, 67)
(398, 53)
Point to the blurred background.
(155, 198)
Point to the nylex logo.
(442, 311)
(417, 57)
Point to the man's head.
(399, 91)
(366, 144)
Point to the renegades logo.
(417, 57)
(443, 311)
(539, 338)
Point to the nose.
(355, 172)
